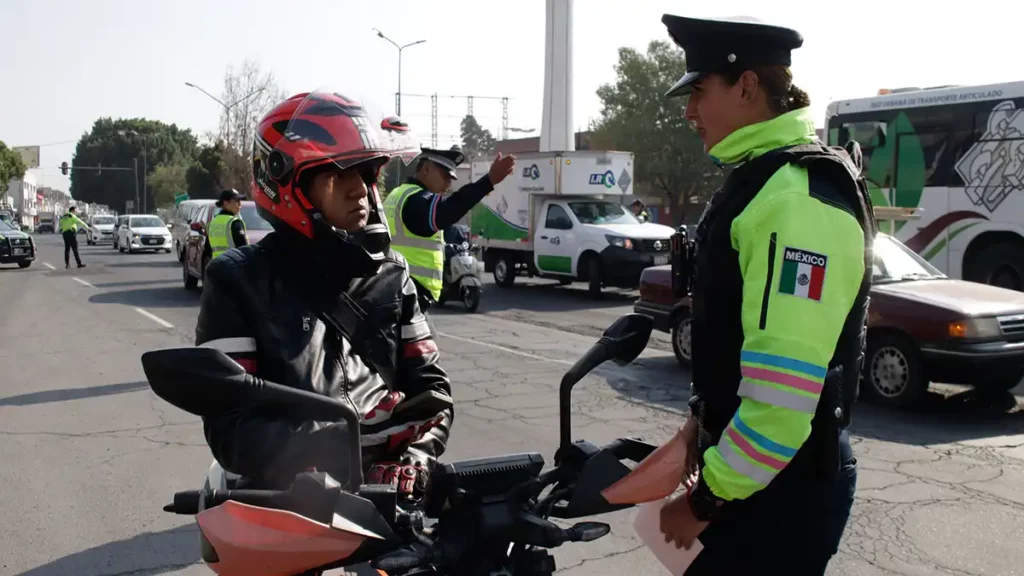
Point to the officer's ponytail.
(777, 83)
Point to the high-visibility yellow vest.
(219, 233)
(69, 223)
(424, 254)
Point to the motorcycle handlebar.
(188, 502)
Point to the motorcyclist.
(283, 308)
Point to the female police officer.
(779, 309)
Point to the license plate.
(20, 251)
(661, 259)
(152, 241)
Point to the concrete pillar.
(556, 131)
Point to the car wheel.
(593, 268)
(893, 374)
(191, 282)
(24, 264)
(681, 340)
(504, 272)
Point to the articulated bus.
(947, 165)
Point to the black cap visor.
(685, 85)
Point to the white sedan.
(144, 232)
(101, 230)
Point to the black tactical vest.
(717, 330)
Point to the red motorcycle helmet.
(324, 130)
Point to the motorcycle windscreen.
(264, 542)
(657, 477)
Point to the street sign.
(180, 198)
(129, 204)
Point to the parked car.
(923, 327)
(16, 247)
(196, 249)
(143, 232)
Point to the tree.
(476, 140)
(118, 144)
(636, 116)
(168, 181)
(248, 94)
(12, 167)
(210, 172)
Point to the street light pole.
(398, 96)
(145, 169)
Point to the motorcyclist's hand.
(410, 479)
(501, 168)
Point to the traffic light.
(64, 168)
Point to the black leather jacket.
(260, 305)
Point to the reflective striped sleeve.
(802, 262)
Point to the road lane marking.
(504, 349)
(154, 318)
(82, 282)
(48, 265)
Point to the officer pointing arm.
(418, 211)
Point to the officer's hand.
(501, 168)
(692, 468)
(678, 523)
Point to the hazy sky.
(67, 62)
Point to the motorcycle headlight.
(620, 241)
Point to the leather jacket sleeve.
(268, 447)
(418, 372)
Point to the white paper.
(648, 528)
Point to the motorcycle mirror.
(622, 342)
(628, 337)
(206, 382)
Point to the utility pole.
(136, 159)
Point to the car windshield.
(146, 222)
(252, 218)
(103, 220)
(894, 262)
(4, 227)
(597, 212)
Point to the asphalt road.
(90, 455)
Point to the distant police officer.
(417, 213)
(227, 229)
(69, 223)
(779, 312)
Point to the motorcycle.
(462, 277)
(479, 517)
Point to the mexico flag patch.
(803, 273)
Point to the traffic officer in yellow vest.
(227, 230)
(779, 310)
(418, 212)
(68, 226)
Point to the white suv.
(144, 232)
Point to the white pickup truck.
(561, 216)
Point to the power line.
(469, 110)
